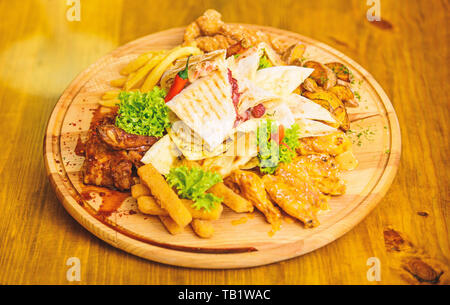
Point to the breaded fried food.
(171, 225)
(231, 199)
(203, 228)
(212, 214)
(147, 205)
(323, 171)
(251, 187)
(164, 195)
(287, 198)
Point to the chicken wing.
(118, 138)
(290, 200)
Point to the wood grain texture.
(40, 53)
(229, 248)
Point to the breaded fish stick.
(285, 196)
(164, 195)
(231, 199)
(171, 225)
(148, 205)
(212, 214)
(203, 228)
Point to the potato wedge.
(332, 103)
(341, 71)
(323, 75)
(310, 85)
(212, 214)
(203, 228)
(173, 55)
(164, 194)
(231, 199)
(345, 94)
(148, 205)
(294, 54)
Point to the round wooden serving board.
(240, 240)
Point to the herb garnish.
(192, 183)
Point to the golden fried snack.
(251, 187)
(212, 43)
(231, 199)
(212, 214)
(164, 194)
(287, 198)
(171, 225)
(134, 65)
(294, 54)
(192, 31)
(148, 205)
(203, 228)
(139, 190)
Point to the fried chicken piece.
(320, 171)
(240, 33)
(297, 176)
(212, 43)
(118, 138)
(104, 166)
(289, 199)
(251, 187)
(192, 31)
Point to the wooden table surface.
(41, 52)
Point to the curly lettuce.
(192, 183)
(143, 114)
(270, 152)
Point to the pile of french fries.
(155, 197)
(144, 72)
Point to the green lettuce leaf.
(192, 183)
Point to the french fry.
(110, 95)
(231, 199)
(171, 225)
(137, 63)
(164, 194)
(110, 103)
(118, 82)
(140, 75)
(139, 190)
(148, 205)
(203, 228)
(173, 55)
(212, 214)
